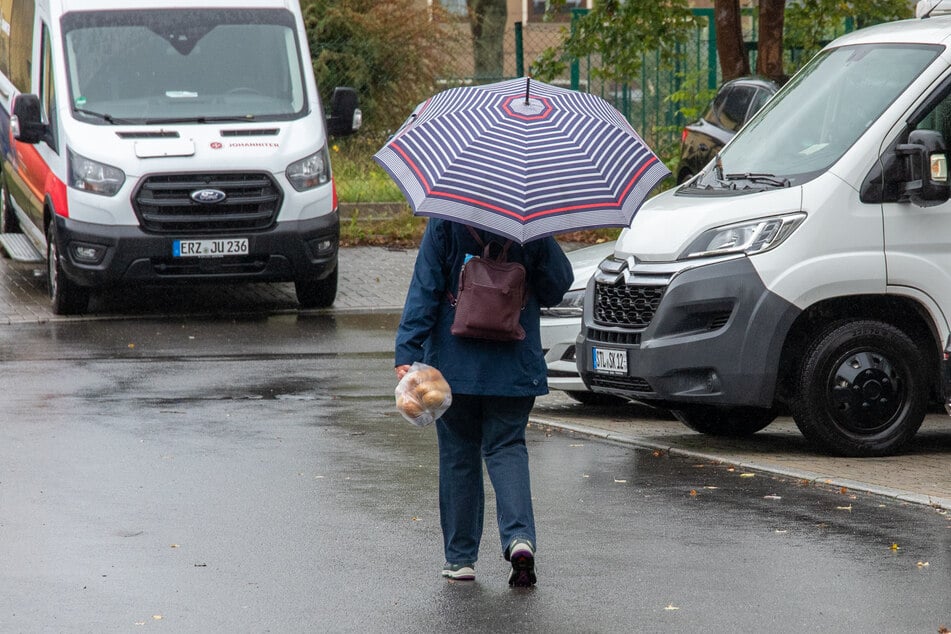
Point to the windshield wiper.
(108, 118)
(230, 119)
(765, 179)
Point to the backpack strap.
(486, 248)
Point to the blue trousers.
(477, 428)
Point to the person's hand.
(401, 371)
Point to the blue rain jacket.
(474, 366)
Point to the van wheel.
(862, 389)
(730, 422)
(66, 297)
(317, 293)
(8, 220)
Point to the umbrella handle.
(528, 81)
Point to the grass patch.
(359, 179)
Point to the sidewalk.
(376, 279)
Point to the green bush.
(390, 51)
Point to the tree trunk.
(487, 20)
(734, 62)
(769, 55)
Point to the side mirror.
(927, 168)
(27, 120)
(345, 115)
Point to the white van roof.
(935, 29)
(927, 8)
(100, 5)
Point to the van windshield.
(810, 124)
(183, 65)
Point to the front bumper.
(715, 338)
(295, 250)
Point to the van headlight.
(93, 177)
(752, 236)
(571, 305)
(311, 171)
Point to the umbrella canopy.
(522, 159)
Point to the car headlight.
(572, 305)
(753, 236)
(93, 177)
(311, 171)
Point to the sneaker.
(522, 556)
(458, 572)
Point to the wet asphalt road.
(252, 475)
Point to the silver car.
(561, 324)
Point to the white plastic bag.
(423, 395)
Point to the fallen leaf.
(656, 453)
(174, 546)
(747, 475)
(895, 546)
(131, 345)
(157, 617)
(416, 519)
(693, 493)
(843, 490)
(922, 564)
(943, 630)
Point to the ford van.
(807, 268)
(165, 142)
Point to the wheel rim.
(866, 392)
(52, 266)
(4, 211)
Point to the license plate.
(209, 248)
(609, 360)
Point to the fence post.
(519, 51)
(575, 62)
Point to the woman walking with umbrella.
(519, 160)
(494, 385)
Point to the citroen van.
(162, 141)
(807, 268)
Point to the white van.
(808, 267)
(162, 141)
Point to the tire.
(861, 390)
(317, 293)
(730, 422)
(66, 297)
(598, 400)
(8, 220)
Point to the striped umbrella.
(522, 159)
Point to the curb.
(799, 474)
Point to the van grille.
(629, 305)
(627, 383)
(626, 338)
(163, 203)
